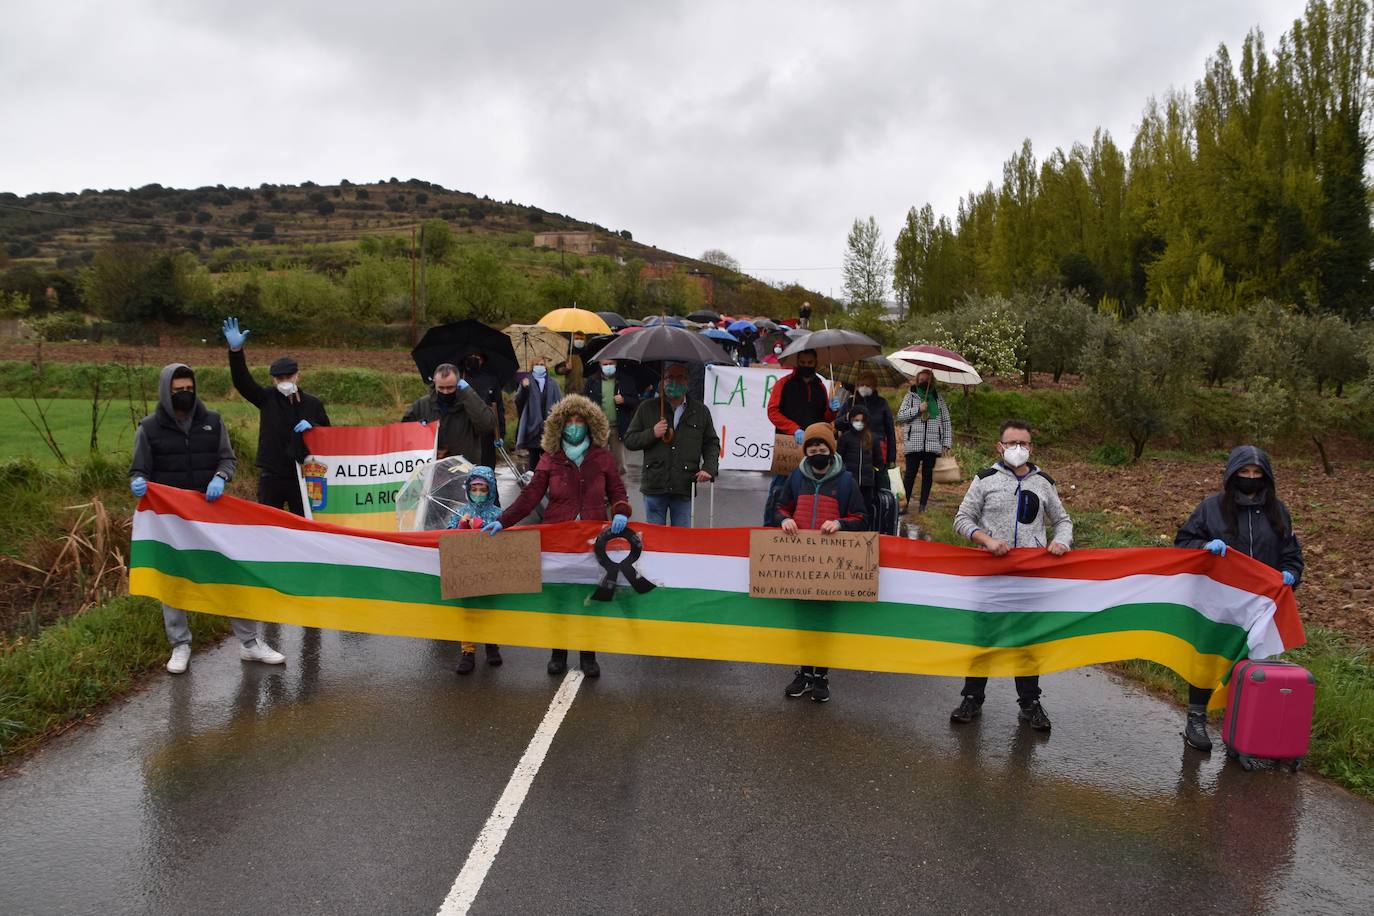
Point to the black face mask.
(806, 373)
(1248, 485)
(447, 398)
(818, 462)
(183, 400)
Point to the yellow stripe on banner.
(631, 636)
(367, 521)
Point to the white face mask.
(1015, 455)
(865, 391)
(608, 371)
(858, 426)
(579, 344)
(287, 388)
(777, 351)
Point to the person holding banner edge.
(285, 412)
(1006, 507)
(673, 463)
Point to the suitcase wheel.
(1295, 764)
(1247, 762)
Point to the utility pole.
(424, 286)
(412, 286)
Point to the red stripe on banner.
(369, 440)
(1235, 569)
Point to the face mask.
(858, 426)
(575, 433)
(478, 498)
(919, 388)
(447, 398)
(674, 390)
(579, 344)
(540, 371)
(183, 400)
(777, 351)
(806, 373)
(1248, 485)
(818, 462)
(287, 388)
(865, 391)
(608, 371)
(1013, 456)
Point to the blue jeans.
(658, 508)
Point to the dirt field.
(210, 352)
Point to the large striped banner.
(353, 472)
(940, 610)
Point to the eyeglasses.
(1025, 442)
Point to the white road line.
(483, 852)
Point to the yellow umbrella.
(533, 341)
(570, 321)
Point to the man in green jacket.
(680, 447)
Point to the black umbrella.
(613, 321)
(832, 345)
(450, 343)
(665, 343)
(704, 316)
(764, 345)
(594, 345)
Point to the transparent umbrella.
(434, 492)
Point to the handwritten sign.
(812, 566)
(787, 454)
(472, 563)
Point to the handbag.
(947, 470)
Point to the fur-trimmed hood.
(598, 427)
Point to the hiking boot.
(587, 662)
(260, 651)
(466, 663)
(1195, 732)
(820, 688)
(800, 684)
(181, 657)
(1033, 714)
(968, 710)
(493, 655)
(558, 662)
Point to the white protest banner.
(738, 399)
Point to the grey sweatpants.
(179, 632)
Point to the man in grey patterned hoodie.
(1006, 506)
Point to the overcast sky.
(760, 128)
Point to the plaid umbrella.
(887, 373)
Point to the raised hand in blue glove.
(835, 403)
(800, 436)
(1288, 579)
(233, 335)
(618, 524)
(302, 426)
(215, 490)
(463, 384)
(492, 527)
(1217, 546)
(138, 486)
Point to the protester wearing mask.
(1248, 517)
(820, 495)
(285, 412)
(797, 401)
(483, 505)
(578, 475)
(859, 448)
(536, 397)
(880, 422)
(572, 367)
(1007, 506)
(680, 446)
(489, 390)
(462, 417)
(184, 445)
(927, 434)
(618, 395)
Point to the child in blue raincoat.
(483, 505)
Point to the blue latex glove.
(500, 443)
(424, 422)
(463, 384)
(1217, 547)
(492, 527)
(138, 486)
(1288, 579)
(835, 403)
(302, 426)
(233, 335)
(215, 490)
(800, 436)
(618, 524)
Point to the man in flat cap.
(284, 413)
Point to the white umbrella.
(946, 365)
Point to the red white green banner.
(354, 472)
(940, 610)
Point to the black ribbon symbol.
(605, 589)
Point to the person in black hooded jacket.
(1246, 516)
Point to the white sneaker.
(181, 657)
(261, 652)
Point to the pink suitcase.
(1269, 714)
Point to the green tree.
(866, 267)
(717, 258)
(439, 243)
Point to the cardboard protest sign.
(472, 563)
(787, 454)
(812, 566)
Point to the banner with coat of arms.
(353, 473)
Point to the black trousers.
(925, 463)
(1027, 688)
(1199, 696)
(277, 491)
(535, 455)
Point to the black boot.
(558, 661)
(801, 684)
(969, 708)
(587, 662)
(493, 655)
(466, 663)
(1195, 732)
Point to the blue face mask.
(540, 371)
(575, 433)
(608, 371)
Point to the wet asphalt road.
(355, 780)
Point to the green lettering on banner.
(768, 384)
